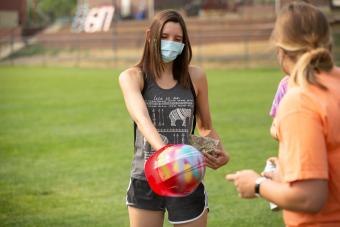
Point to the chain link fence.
(236, 35)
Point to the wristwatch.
(258, 184)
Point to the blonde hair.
(303, 33)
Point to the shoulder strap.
(194, 94)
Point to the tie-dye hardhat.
(175, 170)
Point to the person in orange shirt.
(306, 183)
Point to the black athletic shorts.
(180, 209)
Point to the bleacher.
(131, 34)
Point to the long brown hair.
(303, 33)
(151, 62)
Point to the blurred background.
(65, 135)
(110, 33)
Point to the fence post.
(11, 46)
(246, 50)
(114, 40)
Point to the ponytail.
(309, 64)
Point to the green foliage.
(66, 146)
(60, 8)
(42, 12)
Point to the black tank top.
(172, 113)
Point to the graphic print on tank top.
(171, 111)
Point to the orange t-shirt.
(308, 124)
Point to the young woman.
(307, 183)
(163, 94)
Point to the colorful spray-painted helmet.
(175, 170)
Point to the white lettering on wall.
(99, 19)
(94, 20)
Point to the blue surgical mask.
(170, 50)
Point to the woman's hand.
(244, 182)
(217, 159)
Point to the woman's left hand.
(273, 175)
(217, 159)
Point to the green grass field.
(66, 146)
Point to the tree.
(57, 8)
